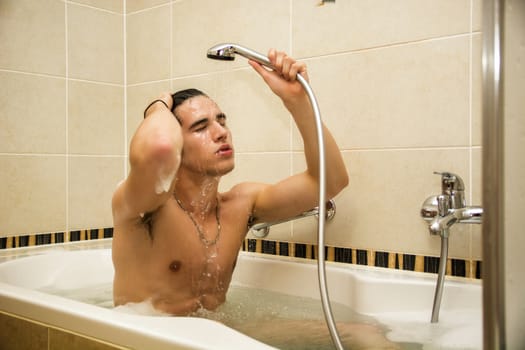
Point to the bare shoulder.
(242, 197)
(243, 193)
(237, 207)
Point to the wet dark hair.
(180, 96)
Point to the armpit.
(147, 221)
(251, 221)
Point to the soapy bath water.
(279, 320)
(297, 323)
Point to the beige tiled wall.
(397, 82)
(62, 134)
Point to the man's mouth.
(225, 150)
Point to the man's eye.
(221, 120)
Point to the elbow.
(336, 184)
(165, 152)
(155, 151)
(162, 148)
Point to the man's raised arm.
(299, 192)
(154, 160)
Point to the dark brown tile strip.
(74, 236)
(409, 262)
(343, 255)
(269, 247)
(382, 259)
(361, 256)
(431, 264)
(251, 245)
(283, 249)
(108, 232)
(478, 269)
(300, 250)
(458, 267)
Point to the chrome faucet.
(443, 211)
(449, 208)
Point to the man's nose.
(219, 131)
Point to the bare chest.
(189, 244)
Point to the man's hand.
(283, 80)
(157, 104)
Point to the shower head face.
(227, 52)
(224, 52)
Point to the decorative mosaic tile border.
(391, 260)
(29, 240)
(399, 261)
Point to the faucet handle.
(450, 182)
(452, 185)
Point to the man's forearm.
(336, 174)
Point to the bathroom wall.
(62, 114)
(398, 84)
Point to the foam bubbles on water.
(458, 329)
(144, 308)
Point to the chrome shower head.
(226, 52)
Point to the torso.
(171, 266)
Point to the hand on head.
(163, 101)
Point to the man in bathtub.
(176, 238)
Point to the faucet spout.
(470, 215)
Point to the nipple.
(175, 265)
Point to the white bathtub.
(401, 300)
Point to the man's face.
(208, 147)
